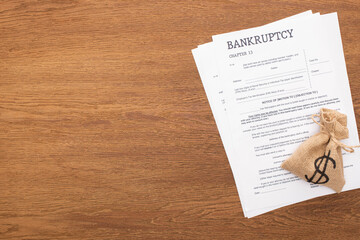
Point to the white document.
(274, 78)
(209, 74)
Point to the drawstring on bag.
(347, 148)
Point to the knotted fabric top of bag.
(319, 160)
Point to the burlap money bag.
(319, 160)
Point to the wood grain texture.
(106, 132)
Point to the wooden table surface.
(106, 132)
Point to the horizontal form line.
(268, 78)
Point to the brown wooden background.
(106, 132)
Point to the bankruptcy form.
(274, 78)
(206, 64)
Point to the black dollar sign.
(317, 164)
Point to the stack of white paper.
(263, 84)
